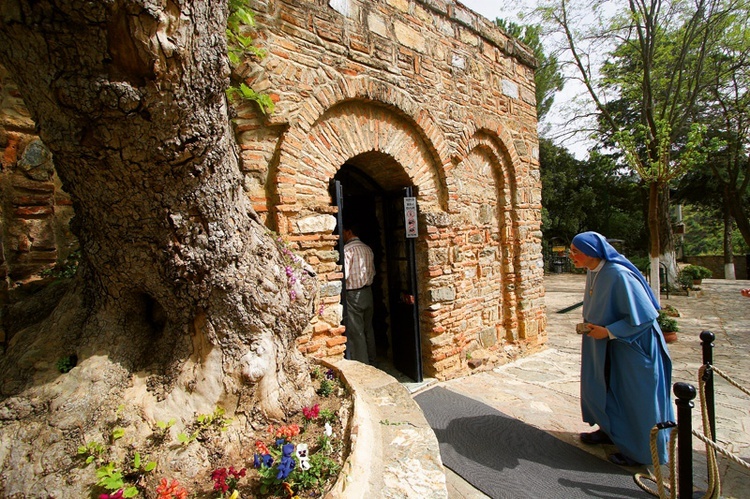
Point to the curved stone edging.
(394, 452)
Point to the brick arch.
(312, 151)
(491, 145)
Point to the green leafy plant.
(326, 388)
(205, 423)
(91, 451)
(240, 46)
(666, 323)
(696, 272)
(327, 416)
(111, 478)
(66, 269)
(322, 467)
(65, 364)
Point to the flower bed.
(300, 458)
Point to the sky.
(492, 9)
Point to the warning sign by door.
(410, 217)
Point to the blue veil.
(596, 245)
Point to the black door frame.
(337, 194)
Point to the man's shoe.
(595, 438)
(621, 459)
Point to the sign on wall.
(410, 217)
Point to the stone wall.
(423, 93)
(34, 211)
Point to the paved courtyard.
(543, 389)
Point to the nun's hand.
(597, 332)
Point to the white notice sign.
(410, 217)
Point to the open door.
(402, 283)
(337, 195)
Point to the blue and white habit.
(626, 379)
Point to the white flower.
(328, 430)
(304, 459)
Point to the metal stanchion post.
(707, 343)
(685, 393)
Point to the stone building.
(415, 118)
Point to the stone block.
(316, 224)
(330, 288)
(409, 37)
(488, 337)
(444, 294)
(510, 88)
(377, 25)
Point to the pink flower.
(311, 412)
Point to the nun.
(626, 371)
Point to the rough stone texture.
(395, 453)
(413, 92)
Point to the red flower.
(261, 448)
(166, 490)
(311, 412)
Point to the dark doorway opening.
(379, 214)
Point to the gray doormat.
(507, 458)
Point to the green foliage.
(241, 46)
(704, 226)
(666, 323)
(91, 452)
(110, 478)
(118, 433)
(327, 416)
(66, 269)
(326, 388)
(65, 364)
(322, 467)
(115, 474)
(696, 272)
(244, 92)
(205, 423)
(589, 195)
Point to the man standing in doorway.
(359, 271)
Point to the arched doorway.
(371, 190)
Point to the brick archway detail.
(489, 145)
(355, 117)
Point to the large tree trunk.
(181, 291)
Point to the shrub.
(696, 272)
(666, 323)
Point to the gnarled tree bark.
(182, 302)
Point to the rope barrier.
(714, 477)
(726, 377)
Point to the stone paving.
(543, 389)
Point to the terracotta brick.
(338, 340)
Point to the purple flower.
(287, 462)
(264, 460)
